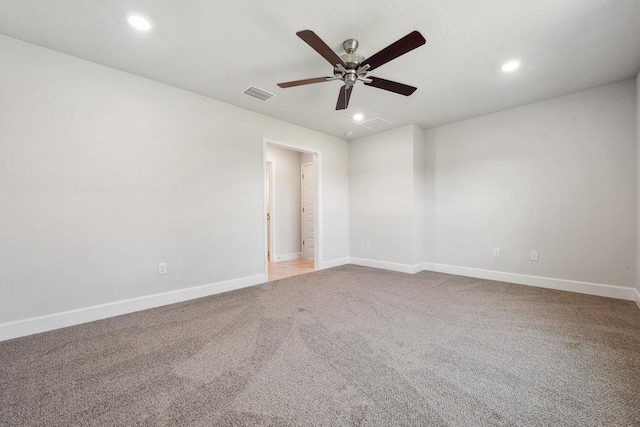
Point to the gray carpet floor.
(346, 346)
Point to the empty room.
(294, 213)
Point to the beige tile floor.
(280, 270)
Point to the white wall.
(286, 202)
(557, 176)
(385, 175)
(104, 174)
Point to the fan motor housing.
(353, 60)
(351, 72)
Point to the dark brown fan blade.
(396, 87)
(304, 82)
(402, 46)
(343, 98)
(321, 47)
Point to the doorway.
(292, 208)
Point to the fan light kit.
(140, 23)
(352, 67)
(511, 66)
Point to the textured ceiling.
(219, 48)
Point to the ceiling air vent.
(258, 93)
(376, 123)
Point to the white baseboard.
(335, 263)
(287, 257)
(599, 289)
(402, 268)
(50, 322)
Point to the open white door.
(308, 187)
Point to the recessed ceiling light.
(348, 134)
(510, 66)
(139, 22)
(358, 116)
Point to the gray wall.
(104, 174)
(419, 190)
(557, 176)
(430, 200)
(386, 182)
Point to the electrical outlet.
(367, 244)
(534, 255)
(162, 268)
(496, 252)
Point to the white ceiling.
(219, 48)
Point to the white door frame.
(270, 201)
(302, 165)
(317, 159)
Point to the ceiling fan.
(352, 67)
